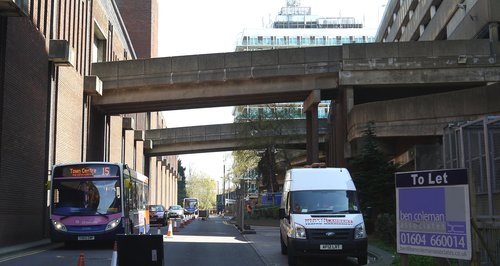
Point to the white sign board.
(433, 213)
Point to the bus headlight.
(299, 231)
(112, 224)
(59, 226)
(359, 231)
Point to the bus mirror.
(128, 184)
(47, 185)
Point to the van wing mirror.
(282, 214)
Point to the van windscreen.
(324, 201)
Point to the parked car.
(157, 214)
(175, 211)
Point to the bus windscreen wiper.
(102, 214)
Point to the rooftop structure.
(296, 26)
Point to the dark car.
(175, 211)
(157, 214)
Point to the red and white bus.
(96, 201)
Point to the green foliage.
(267, 169)
(203, 188)
(265, 127)
(374, 175)
(265, 212)
(243, 162)
(181, 183)
(385, 228)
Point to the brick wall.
(69, 111)
(139, 156)
(137, 16)
(23, 166)
(115, 138)
(129, 148)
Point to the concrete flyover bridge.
(352, 75)
(226, 137)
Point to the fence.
(476, 146)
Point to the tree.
(265, 127)
(243, 161)
(374, 175)
(181, 183)
(203, 188)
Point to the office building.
(46, 114)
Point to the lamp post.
(223, 187)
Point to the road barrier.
(114, 257)
(81, 260)
(170, 233)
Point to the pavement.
(265, 240)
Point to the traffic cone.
(81, 260)
(182, 223)
(170, 233)
(114, 257)
(175, 225)
(159, 229)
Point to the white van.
(320, 215)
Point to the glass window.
(324, 201)
(86, 197)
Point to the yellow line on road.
(26, 253)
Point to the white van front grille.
(335, 234)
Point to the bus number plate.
(330, 247)
(86, 237)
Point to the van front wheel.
(292, 259)
(363, 260)
(284, 249)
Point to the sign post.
(433, 214)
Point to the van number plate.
(330, 247)
(86, 237)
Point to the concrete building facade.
(426, 20)
(46, 113)
(422, 20)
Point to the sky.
(190, 27)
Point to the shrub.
(385, 227)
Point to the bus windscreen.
(86, 197)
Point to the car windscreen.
(155, 208)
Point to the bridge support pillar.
(343, 106)
(311, 110)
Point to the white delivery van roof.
(320, 179)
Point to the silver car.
(175, 211)
(157, 214)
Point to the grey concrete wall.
(424, 115)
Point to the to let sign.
(433, 213)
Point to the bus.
(97, 201)
(190, 206)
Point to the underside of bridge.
(410, 90)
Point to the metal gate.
(476, 146)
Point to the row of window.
(290, 112)
(273, 40)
